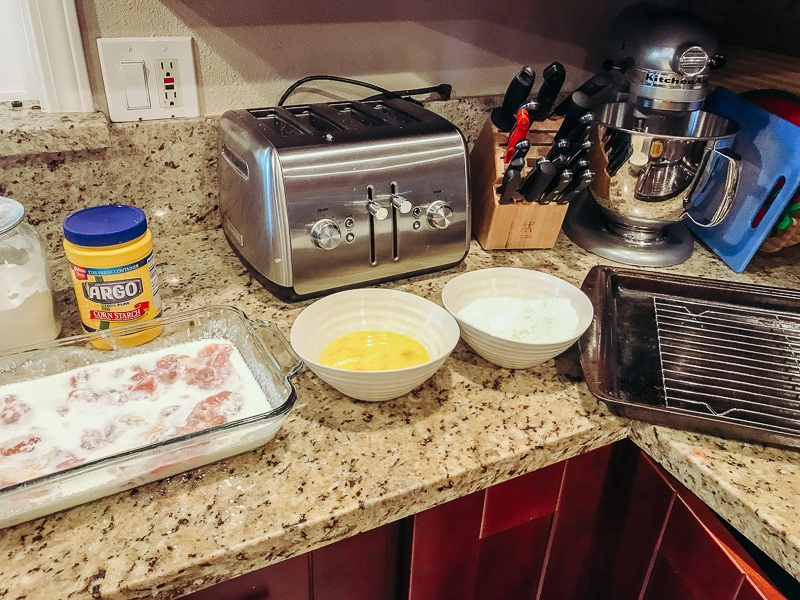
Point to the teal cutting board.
(770, 150)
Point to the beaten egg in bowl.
(417, 335)
(374, 350)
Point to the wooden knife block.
(522, 224)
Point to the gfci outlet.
(149, 78)
(170, 86)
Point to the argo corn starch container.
(110, 254)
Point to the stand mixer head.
(656, 154)
(662, 58)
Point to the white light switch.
(140, 87)
(134, 81)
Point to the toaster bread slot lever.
(375, 210)
(398, 201)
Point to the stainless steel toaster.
(321, 197)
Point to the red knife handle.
(519, 133)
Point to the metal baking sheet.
(692, 353)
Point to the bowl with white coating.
(329, 319)
(517, 318)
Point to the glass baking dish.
(266, 353)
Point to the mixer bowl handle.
(734, 168)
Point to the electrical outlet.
(168, 75)
(149, 78)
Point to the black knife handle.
(553, 78)
(577, 187)
(582, 129)
(590, 87)
(558, 147)
(518, 91)
(537, 181)
(521, 149)
(509, 186)
(556, 188)
(579, 104)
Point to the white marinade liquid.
(540, 321)
(55, 422)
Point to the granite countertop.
(338, 467)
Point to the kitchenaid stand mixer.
(658, 157)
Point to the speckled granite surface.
(27, 130)
(338, 467)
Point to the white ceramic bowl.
(524, 284)
(341, 313)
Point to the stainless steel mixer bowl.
(657, 168)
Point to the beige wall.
(249, 51)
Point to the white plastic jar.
(28, 309)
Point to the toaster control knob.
(439, 215)
(377, 211)
(326, 234)
(401, 204)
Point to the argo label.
(118, 294)
(110, 254)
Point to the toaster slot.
(393, 113)
(370, 199)
(357, 114)
(313, 119)
(276, 122)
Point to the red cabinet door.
(364, 567)
(610, 523)
(488, 545)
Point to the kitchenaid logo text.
(113, 292)
(659, 78)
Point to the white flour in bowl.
(540, 321)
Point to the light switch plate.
(136, 70)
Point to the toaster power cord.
(443, 89)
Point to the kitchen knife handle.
(518, 91)
(522, 125)
(580, 132)
(558, 147)
(519, 153)
(579, 152)
(579, 104)
(553, 78)
(556, 188)
(590, 87)
(577, 187)
(509, 186)
(537, 181)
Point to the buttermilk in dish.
(68, 419)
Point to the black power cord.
(443, 89)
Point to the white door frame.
(59, 64)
